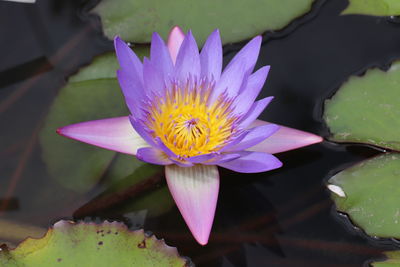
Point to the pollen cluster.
(187, 124)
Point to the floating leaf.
(91, 94)
(367, 109)
(393, 260)
(372, 190)
(89, 244)
(136, 20)
(374, 7)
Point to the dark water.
(279, 218)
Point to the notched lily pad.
(370, 197)
(136, 20)
(91, 94)
(373, 7)
(393, 260)
(89, 244)
(367, 109)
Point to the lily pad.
(89, 244)
(373, 7)
(93, 93)
(393, 260)
(367, 109)
(370, 195)
(136, 20)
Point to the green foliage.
(373, 7)
(91, 94)
(136, 20)
(88, 244)
(367, 109)
(393, 260)
(372, 190)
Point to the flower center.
(187, 124)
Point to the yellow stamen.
(186, 124)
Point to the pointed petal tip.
(114, 134)
(195, 191)
(285, 139)
(202, 240)
(176, 30)
(175, 39)
(117, 41)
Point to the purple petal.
(284, 139)
(164, 148)
(132, 90)
(230, 82)
(114, 134)
(188, 60)
(251, 90)
(255, 136)
(160, 57)
(153, 156)
(182, 163)
(237, 70)
(252, 162)
(201, 158)
(195, 191)
(139, 128)
(235, 141)
(222, 158)
(211, 57)
(175, 39)
(153, 79)
(248, 55)
(255, 111)
(128, 60)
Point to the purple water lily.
(191, 117)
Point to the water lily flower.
(191, 117)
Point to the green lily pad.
(373, 7)
(393, 260)
(93, 93)
(136, 20)
(369, 193)
(89, 244)
(367, 109)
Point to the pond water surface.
(279, 218)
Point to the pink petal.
(284, 139)
(114, 134)
(175, 39)
(195, 191)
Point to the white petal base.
(195, 191)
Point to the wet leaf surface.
(372, 190)
(373, 7)
(367, 109)
(89, 244)
(393, 260)
(136, 20)
(91, 94)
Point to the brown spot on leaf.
(59, 260)
(142, 244)
(100, 243)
